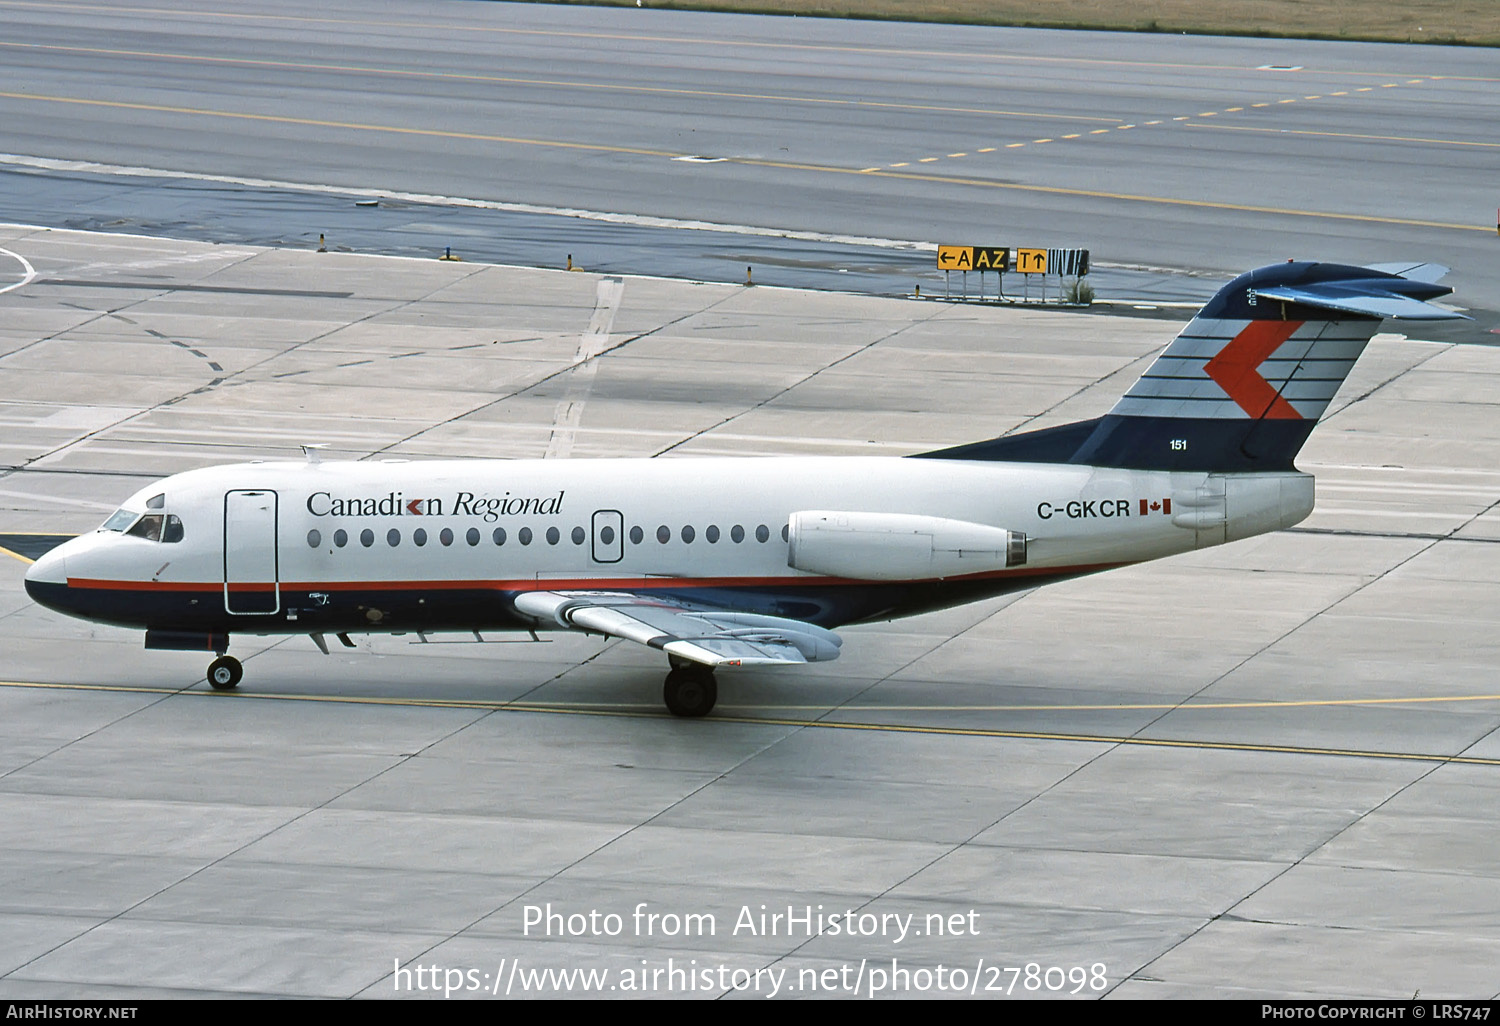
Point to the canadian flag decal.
(1149, 506)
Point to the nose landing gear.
(690, 690)
(224, 673)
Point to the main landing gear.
(690, 690)
(224, 673)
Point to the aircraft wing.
(700, 634)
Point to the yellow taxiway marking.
(692, 41)
(357, 126)
(16, 555)
(1057, 190)
(747, 161)
(610, 87)
(1349, 135)
(650, 711)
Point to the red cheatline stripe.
(1235, 370)
(577, 584)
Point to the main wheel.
(224, 673)
(690, 691)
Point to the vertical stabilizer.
(1242, 386)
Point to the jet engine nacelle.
(898, 546)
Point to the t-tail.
(1241, 388)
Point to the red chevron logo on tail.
(1235, 370)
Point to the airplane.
(738, 562)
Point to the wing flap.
(698, 633)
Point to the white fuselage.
(396, 545)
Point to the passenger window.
(499, 536)
(314, 538)
(445, 536)
(367, 537)
(552, 536)
(636, 534)
(762, 533)
(712, 534)
(341, 537)
(786, 532)
(472, 536)
(737, 534)
(393, 537)
(419, 537)
(663, 534)
(687, 534)
(148, 527)
(578, 535)
(524, 536)
(173, 531)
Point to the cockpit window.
(148, 527)
(119, 520)
(173, 530)
(157, 501)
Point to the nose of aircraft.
(47, 578)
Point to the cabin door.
(251, 581)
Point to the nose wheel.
(224, 673)
(690, 690)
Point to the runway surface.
(1263, 770)
(1157, 151)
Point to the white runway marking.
(593, 342)
(25, 265)
(639, 220)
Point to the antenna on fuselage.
(311, 452)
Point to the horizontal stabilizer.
(1373, 297)
(1415, 270)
